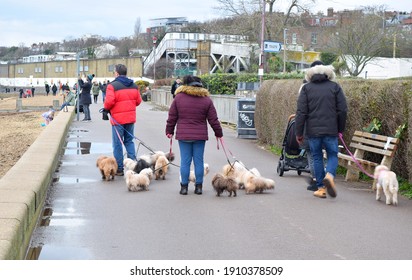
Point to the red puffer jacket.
(122, 98)
(190, 112)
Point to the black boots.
(183, 189)
(198, 189)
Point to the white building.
(386, 68)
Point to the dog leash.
(353, 157)
(227, 158)
(140, 141)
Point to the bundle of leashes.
(227, 157)
(106, 116)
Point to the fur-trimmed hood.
(320, 73)
(195, 91)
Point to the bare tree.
(137, 27)
(359, 41)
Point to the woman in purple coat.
(190, 112)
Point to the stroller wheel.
(299, 172)
(281, 168)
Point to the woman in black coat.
(85, 96)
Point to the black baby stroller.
(292, 157)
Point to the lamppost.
(284, 50)
(262, 41)
(154, 59)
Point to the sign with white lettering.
(271, 46)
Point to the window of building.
(20, 70)
(111, 68)
(294, 38)
(86, 68)
(314, 38)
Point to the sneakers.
(329, 184)
(119, 173)
(321, 193)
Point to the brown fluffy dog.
(223, 183)
(257, 184)
(107, 166)
(161, 167)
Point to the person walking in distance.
(190, 111)
(177, 83)
(85, 97)
(322, 111)
(122, 98)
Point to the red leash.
(353, 157)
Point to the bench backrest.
(378, 144)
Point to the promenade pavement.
(86, 218)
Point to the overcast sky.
(37, 21)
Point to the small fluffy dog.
(152, 158)
(107, 166)
(223, 183)
(192, 177)
(136, 166)
(257, 184)
(161, 167)
(386, 180)
(138, 182)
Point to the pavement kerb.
(22, 195)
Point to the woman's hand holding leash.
(169, 135)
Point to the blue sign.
(271, 46)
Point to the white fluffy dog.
(192, 177)
(138, 181)
(386, 180)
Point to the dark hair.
(316, 62)
(120, 69)
(192, 81)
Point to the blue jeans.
(123, 133)
(86, 111)
(191, 150)
(330, 143)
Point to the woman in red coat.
(190, 112)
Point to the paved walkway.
(87, 218)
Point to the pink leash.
(354, 159)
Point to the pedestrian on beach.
(85, 96)
(48, 116)
(32, 90)
(122, 98)
(47, 88)
(190, 112)
(54, 89)
(322, 111)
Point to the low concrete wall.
(226, 105)
(22, 198)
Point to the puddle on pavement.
(72, 180)
(84, 148)
(50, 252)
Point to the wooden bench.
(364, 142)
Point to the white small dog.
(192, 177)
(138, 182)
(386, 180)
